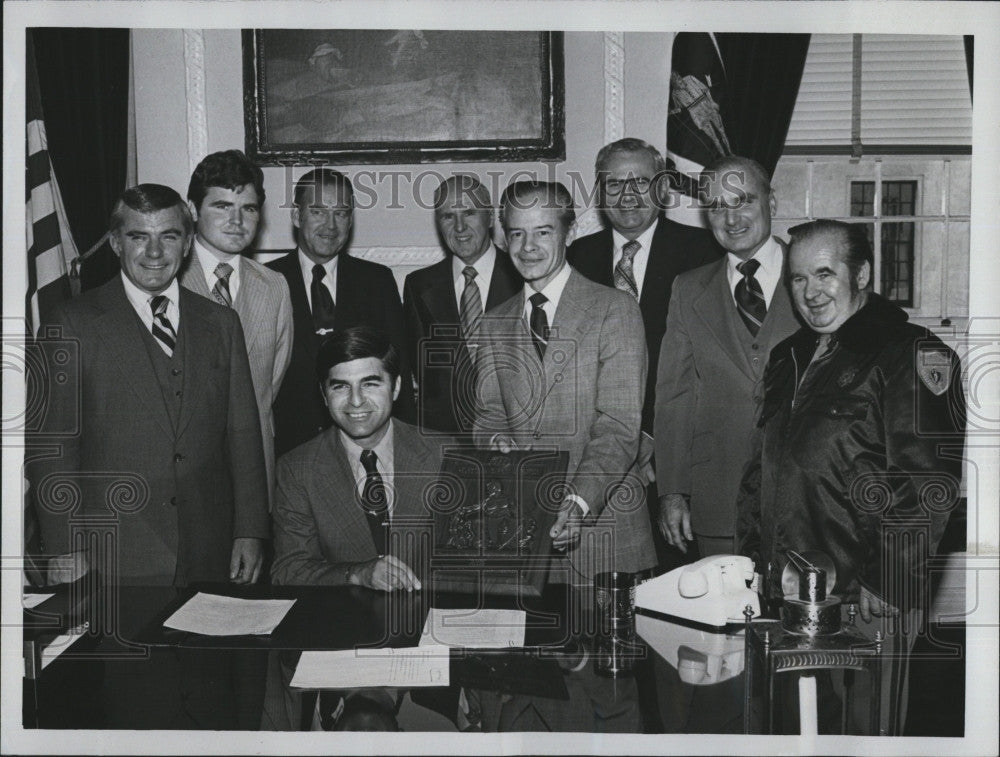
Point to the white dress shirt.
(209, 260)
(768, 275)
(484, 274)
(385, 463)
(641, 259)
(140, 301)
(329, 281)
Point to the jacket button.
(178, 457)
(173, 501)
(175, 371)
(755, 347)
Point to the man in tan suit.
(563, 364)
(225, 195)
(723, 320)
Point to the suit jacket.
(177, 495)
(319, 526)
(366, 296)
(446, 387)
(584, 397)
(265, 310)
(676, 248)
(708, 392)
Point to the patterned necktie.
(221, 289)
(750, 297)
(624, 276)
(472, 303)
(322, 303)
(163, 329)
(539, 323)
(375, 501)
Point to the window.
(899, 198)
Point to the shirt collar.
(484, 267)
(645, 238)
(306, 265)
(553, 290)
(383, 450)
(209, 260)
(139, 298)
(769, 256)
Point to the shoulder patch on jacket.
(934, 368)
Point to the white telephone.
(712, 591)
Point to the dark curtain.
(969, 45)
(83, 78)
(763, 72)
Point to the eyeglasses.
(636, 184)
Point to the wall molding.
(614, 86)
(194, 88)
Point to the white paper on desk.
(474, 629)
(60, 644)
(31, 600)
(214, 615)
(409, 667)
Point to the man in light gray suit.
(225, 195)
(563, 364)
(724, 318)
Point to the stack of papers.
(214, 615)
(30, 600)
(474, 629)
(409, 667)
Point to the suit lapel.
(193, 276)
(506, 281)
(196, 331)
(659, 273)
(301, 314)
(711, 307)
(337, 480)
(413, 465)
(569, 320)
(119, 329)
(439, 296)
(250, 302)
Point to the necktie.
(375, 501)
(163, 329)
(750, 297)
(624, 276)
(322, 303)
(539, 323)
(221, 289)
(472, 303)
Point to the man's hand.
(386, 573)
(675, 520)
(505, 443)
(65, 569)
(565, 532)
(645, 459)
(247, 560)
(872, 605)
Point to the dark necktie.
(221, 291)
(163, 329)
(539, 323)
(624, 275)
(375, 501)
(472, 303)
(750, 297)
(322, 303)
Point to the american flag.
(50, 245)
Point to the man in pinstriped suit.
(225, 195)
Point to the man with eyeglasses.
(640, 251)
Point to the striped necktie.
(221, 291)
(375, 501)
(163, 329)
(472, 302)
(539, 323)
(750, 297)
(624, 275)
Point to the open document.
(474, 629)
(215, 615)
(408, 667)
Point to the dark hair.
(316, 180)
(150, 198)
(628, 145)
(551, 194)
(356, 343)
(230, 169)
(858, 250)
(738, 163)
(463, 186)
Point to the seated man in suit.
(226, 195)
(160, 441)
(640, 252)
(563, 364)
(330, 290)
(443, 303)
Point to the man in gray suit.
(563, 364)
(226, 194)
(723, 320)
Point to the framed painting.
(347, 96)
